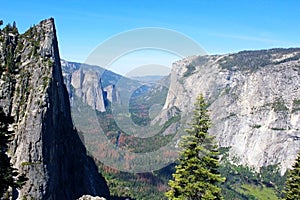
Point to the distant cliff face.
(46, 147)
(85, 82)
(254, 99)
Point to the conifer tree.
(9, 177)
(197, 175)
(292, 187)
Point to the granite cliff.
(254, 98)
(93, 85)
(254, 102)
(46, 146)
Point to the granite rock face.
(254, 102)
(46, 147)
(111, 94)
(89, 197)
(85, 82)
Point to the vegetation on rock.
(9, 177)
(243, 182)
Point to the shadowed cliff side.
(46, 146)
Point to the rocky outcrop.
(87, 87)
(85, 82)
(254, 99)
(111, 94)
(89, 197)
(46, 147)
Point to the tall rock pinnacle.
(46, 146)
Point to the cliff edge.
(46, 147)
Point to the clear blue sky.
(218, 26)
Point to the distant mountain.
(98, 87)
(148, 79)
(107, 77)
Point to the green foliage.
(296, 102)
(10, 62)
(227, 90)
(243, 182)
(279, 106)
(256, 126)
(111, 129)
(50, 63)
(30, 163)
(252, 191)
(140, 105)
(277, 129)
(10, 28)
(137, 186)
(145, 186)
(30, 32)
(46, 81)
(292, 188)
(197, 175)
(296, 105)
(190, 70)
(254, 60)
(20, 47)
(8, 175)
(134, 144)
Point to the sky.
(219, 27)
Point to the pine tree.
(9, 177)
(197, 175)
(292, 187)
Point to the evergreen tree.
(292, 187)
(197, 175)
(8, 175)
